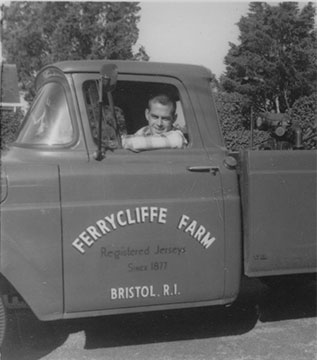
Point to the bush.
(235, 122)
(9, 125)
(304, 115)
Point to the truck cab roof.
(136, 67)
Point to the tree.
(38, 33)
(275, 62)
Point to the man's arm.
(170, 140)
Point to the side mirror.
(109, 75)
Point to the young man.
(160, 132)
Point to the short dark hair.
(162, 99)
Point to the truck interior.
(130, 100)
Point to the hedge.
(235, 121)
(304, 115)
(9, 123)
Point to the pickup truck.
(89, 228)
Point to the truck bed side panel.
(279, 208)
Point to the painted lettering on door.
(141, 215)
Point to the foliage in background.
(304, 115)
(276, 61)
(235, 122)
(39, 33)
(274, 68)
(9, 124)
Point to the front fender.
(31, 252)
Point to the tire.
(3, 321)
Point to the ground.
(263, 324)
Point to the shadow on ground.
(32, 339)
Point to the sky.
(191, 32)
(194, 32)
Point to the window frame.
(187, 108)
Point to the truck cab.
(134, 231)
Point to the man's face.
(160, 117)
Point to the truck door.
(279, 212)
(143, 228)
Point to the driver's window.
(133, 108)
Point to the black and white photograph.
(158, 180)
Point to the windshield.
(48, 122)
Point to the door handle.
(212, 169)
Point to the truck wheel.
(3, 321)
